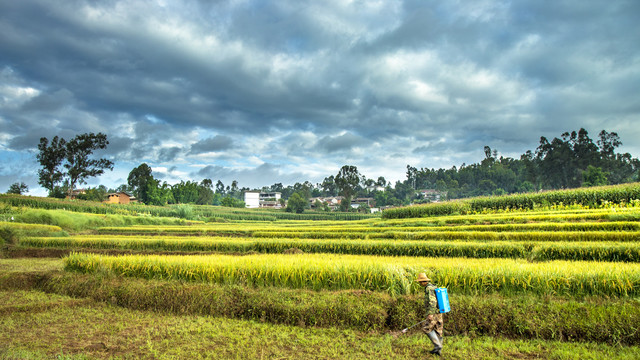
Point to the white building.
(270, 200)
(252, 199)
(257, 199)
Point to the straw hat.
(423, 277)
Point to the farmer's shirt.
(430, 300)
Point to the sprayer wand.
(407, 329)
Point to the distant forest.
(573, 160)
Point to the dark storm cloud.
(169, 154)
(341, 142)
(316, 84)
(216, 143)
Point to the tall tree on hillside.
(142, 182)
(50, 156)
(78, 164)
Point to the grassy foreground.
(35, 325)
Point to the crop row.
(394, 275)
(602, 251)
(11, 232)
(29, 227)
(523, 217)
(541, 226)
(244, 228)
(345, 233)
(594, 196)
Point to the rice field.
(539, 251)
(394, 275)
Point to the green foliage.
(18, 188)
(184, 211)
(185, 192)
(79, 165)
(139, 180)
(74, 156)
(296, 203)
(50, 157)
(97, 194)
(364, 208)
(347, 180)
(594, 176)
(557, 164)
(232, 202)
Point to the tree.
(329, 187)
(142, 182)
(347, 180)
(220, 188)
(296, 203)
(207, 183)
(185, 192)
(607, 143)
(51, 156)
(18, 188)
(594, 176)
(205, 193)
(345, 204)
(158, 194)
(303, 189)
(79, 166)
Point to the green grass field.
(37, 325)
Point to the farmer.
(433, 326)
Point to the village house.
(332, 201)
(120, 197)
(355, 203)
(74, 193)
(432, 194)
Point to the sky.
(267, 92)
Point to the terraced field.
(551, 272)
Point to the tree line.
(570, 161)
